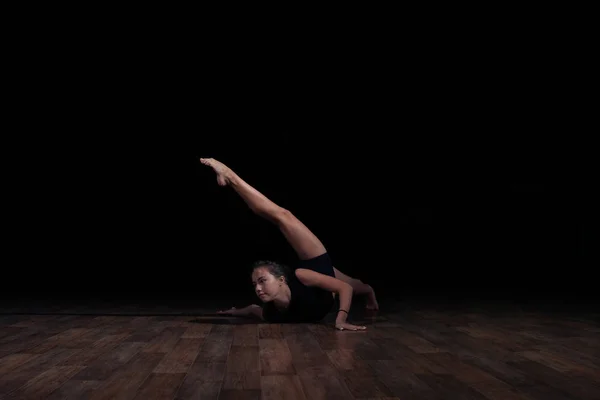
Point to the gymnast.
(306, 294)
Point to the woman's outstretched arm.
(343, 289)
(252, 310)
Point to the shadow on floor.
(226, 321)
(330, 319)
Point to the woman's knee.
(284, 216)
(276, 215)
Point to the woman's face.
(266, 285)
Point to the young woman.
(307, 294)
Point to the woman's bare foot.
(223, 172)
(372, 300)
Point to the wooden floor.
(407, 353)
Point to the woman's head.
(268, 278)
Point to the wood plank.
(363, 382)
(394, 349)
(203, 380)
(45, 383)
(269, 331)
(576, 355)
(367, 349)
(29, 334)
(333, 339)
(539, 391)
(419, 363)
(305, 351)
(215, 347)
(295, 329)
(401, 381)
(196, 331)
(415, 362)
(544, 358)
(33, 367)
(179, 360)
(449, 387)
(165, 341)
(242, 371)
(31, 338)
(126, 380)
(499, 369)
(571, 365)
(104, 366)
(415, 342)
(498, 391)
(568, 385)
(345, 359)
(383, 398)
(462, 371)
(146, 333)
(160, 386)
(245, 335)
(276, 387)
(10, 332)
(199, 389)
(207, 371)
(75, 389)
(90, 354)
(59, 339)
(275, 357)
(13, 361)
(323, 383)
(233, 394)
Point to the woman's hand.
(231, 311)
(346, 326)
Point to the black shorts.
(322, 264)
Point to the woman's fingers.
(350, 327)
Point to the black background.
(446, 171)
(403, 214)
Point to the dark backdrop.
(454, 172)
(408, 214)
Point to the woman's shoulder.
(296, 285)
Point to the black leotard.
(307, 304)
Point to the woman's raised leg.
(302, 240)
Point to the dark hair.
(278, 270)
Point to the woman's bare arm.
(343, 289)
(252, 310)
